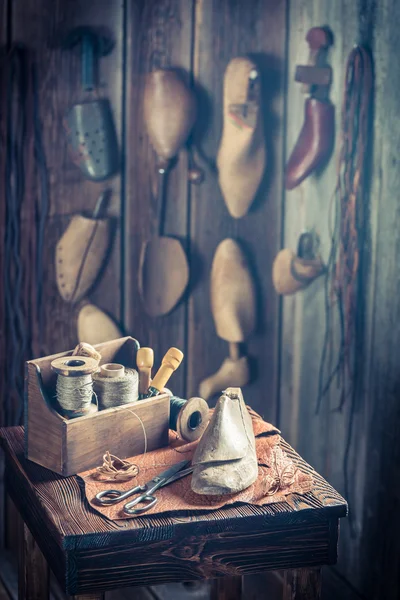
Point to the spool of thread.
(115, 385)
(189, 418)
(74, 388)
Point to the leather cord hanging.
(347, 235)
(344, 288)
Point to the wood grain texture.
(88, 597)
(226, 588)
(9, 586)
(69, 446)
(233, 29)
(159, 34)
(59, 87)
(93, 553)
(302, 584)
(9, 571)
(3, 593)
(334, 586)
(379, 406)
(4, 6)
(33, 571)
(322, 439)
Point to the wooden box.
(69, 446)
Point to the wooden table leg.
(226, 588)
(302, 584)
(33, 571)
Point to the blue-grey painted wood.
(367, 558)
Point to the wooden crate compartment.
(68, 446)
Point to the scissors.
(175, 472)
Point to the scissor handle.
(114, 496)
(147, 499)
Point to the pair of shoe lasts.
(225, 460)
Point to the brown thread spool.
(189, 418)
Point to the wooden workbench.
(90, 554)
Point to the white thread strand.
(115, 391)
(144, 430)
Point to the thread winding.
(75, 394)
(117, 390)
(175, 406)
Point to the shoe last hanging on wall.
(293, 272)
(233, 306)
(241, 155)
(315, 142)
(225, 459)
(81, 252)
(169, 114)
(95, 326)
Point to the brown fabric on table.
(277, 477)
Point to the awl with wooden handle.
(144, 363)
(170, 363)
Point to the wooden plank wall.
(227, 29)
(3, 42)
(60, 88)
(201, 36)
(159, 34)
(40, 26)
(368, 557)
(184, 34)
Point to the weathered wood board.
(59, 87)
(159, 34)
(232, 29)
(366, 556)
(201, 36)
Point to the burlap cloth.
(277, 477)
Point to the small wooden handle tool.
(317, 73)
(144, 363)
(170, 363)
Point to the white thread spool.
(74, 385)
(112, 370)
(115, 385)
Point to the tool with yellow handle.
(170, 363)
(144, 363)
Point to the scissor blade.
(165, 475)
(178, 475)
